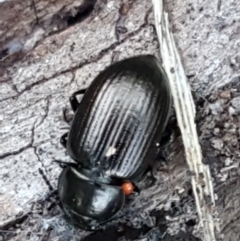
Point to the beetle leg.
(162, 155)
(136, 190)
(63, 140)
(65, 116)
(63, 164)
(73, 99)
(150, 177)
(167, 137)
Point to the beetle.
(113, 138)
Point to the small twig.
(185, 112)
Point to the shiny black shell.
(86, 203)
(121, 117)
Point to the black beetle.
(113, 138)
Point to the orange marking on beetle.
(127, 188)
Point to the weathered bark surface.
(49, 49)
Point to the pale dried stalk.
(185, 111)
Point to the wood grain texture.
(46, 55)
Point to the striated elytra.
(113, 138)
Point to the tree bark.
(49, 49)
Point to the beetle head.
(87, 203)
